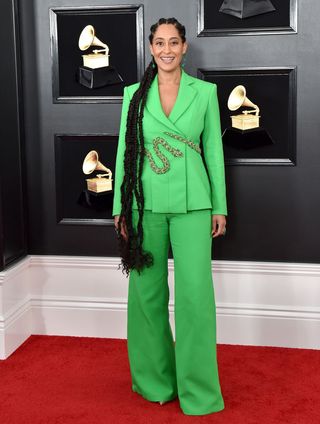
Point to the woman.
(164, 194)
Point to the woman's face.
(167, 47)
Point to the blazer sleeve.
(213, 153)
(119, 168)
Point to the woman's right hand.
(124, 232)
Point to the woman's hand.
(218, 225)
(124, 232)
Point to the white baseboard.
(258, 303)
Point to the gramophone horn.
(91, 163)
(238, 98)
(87, 38)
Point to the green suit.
(180, 197)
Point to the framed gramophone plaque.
(246, 17)
(95, 52)
(85, 166)
(257, 114)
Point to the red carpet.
(62, 380)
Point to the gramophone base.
(96, 201)
(246, 8)
(248, 139)
(98, 77)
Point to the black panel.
(246, 17)
(106, 26)
(120, 28)
(75, 203)
(12, 225)
(273, 90)
(279, 18)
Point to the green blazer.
(179, 182)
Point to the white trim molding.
(258, 303)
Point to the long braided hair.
(131, 252)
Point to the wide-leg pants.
(160, 369)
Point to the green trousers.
(161, 369)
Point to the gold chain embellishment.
(175, 152)
(184, 140)
(161, 156)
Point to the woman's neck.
(169, 77)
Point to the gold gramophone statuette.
(244, 121)
(95, 72)
(100, 57)
(102, 182)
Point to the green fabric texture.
(160, 369)
(186, 185)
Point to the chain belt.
(175, 152)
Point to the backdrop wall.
(273, 210)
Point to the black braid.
(132, 254)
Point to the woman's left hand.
(218, 225)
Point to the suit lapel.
(184, 98)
